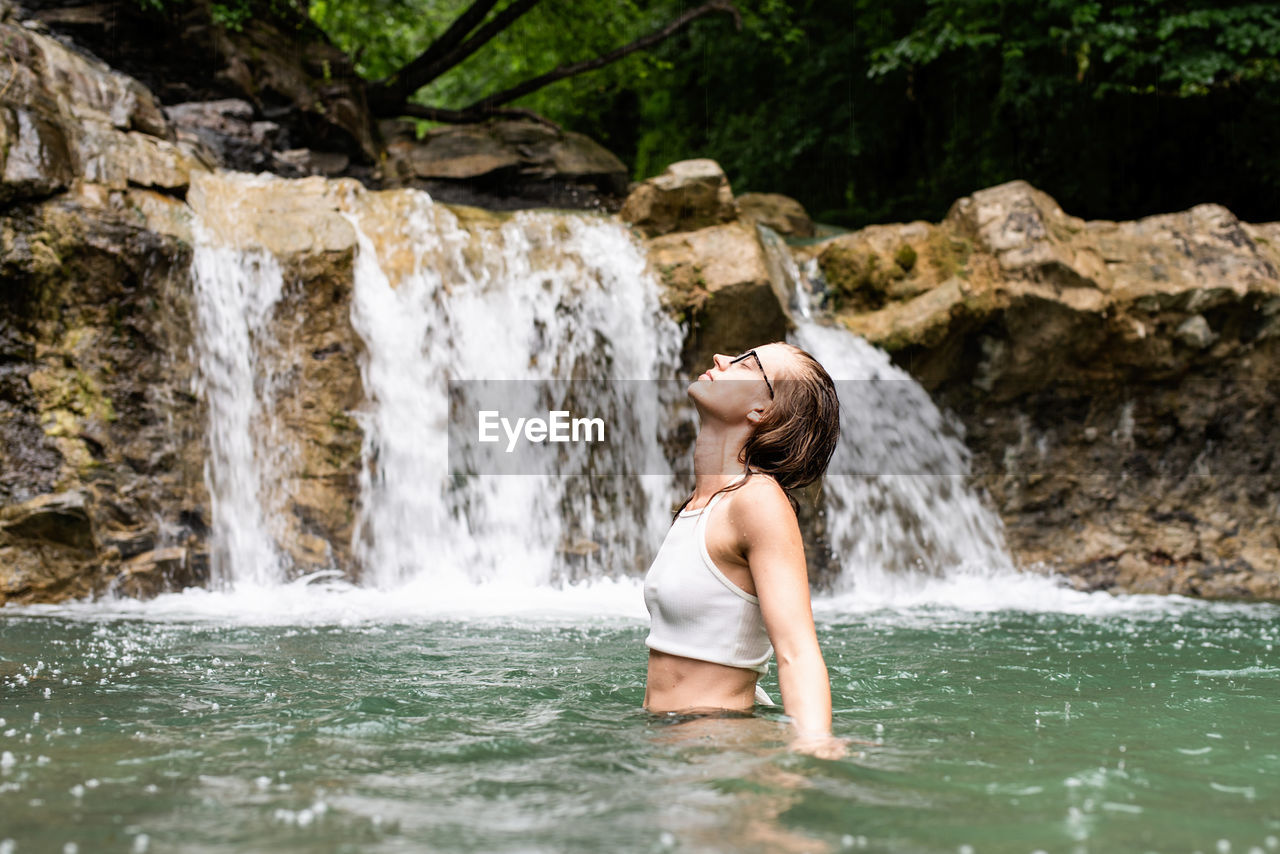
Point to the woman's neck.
(717, 455)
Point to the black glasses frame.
(760, 365)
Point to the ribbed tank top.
(694, 610)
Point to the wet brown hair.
(797, 434)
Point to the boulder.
(46, 546)
(59, 520)
(781, 213)
(153, 572)
(1028, 235)
(689, 195)
(65, 116)
(717, 280)
(231, 132)
(506, 164)
(34, 157)
(293, 220)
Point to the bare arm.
(770, 540)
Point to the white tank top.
(697, 612)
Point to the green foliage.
(870, 111)
(232, 15)
(1145, 47)
(383, 35)
(882, 111)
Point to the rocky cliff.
(1117, 380)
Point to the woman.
(729, 585)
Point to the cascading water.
(525, 299)
(235, 291)
(535, 297)
(521, 299)
(897, 507)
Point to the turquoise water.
(1152, 730)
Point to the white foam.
(320, 600)
(327, 603)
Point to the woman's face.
(735, 387)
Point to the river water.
(337, 720)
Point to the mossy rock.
(905, 257)
(859, 279)
(948, 254)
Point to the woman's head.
(787, 402)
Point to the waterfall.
(898, 510)
(437, 301)
(449, 305)
(535, 297)
(235, 291)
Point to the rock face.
(1116, 379)
(65, 117)
(101, 437)
(717, 278)
(184, 54)
(316, 355)
(503, 165)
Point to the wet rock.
(60, 520)
(316, 361)
(718, 281)
(46, 547)
(782, 213)
(183, 54)
(296, 220)
(1195, 332)
(506, 164)
(689, 195)
(67, 116)
(160, 570)
(96, 385)
(230, 131)
(34, 157)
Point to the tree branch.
(469, 117)
(396, 87)
(487, 104)
(500, 22)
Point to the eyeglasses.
(760, 365)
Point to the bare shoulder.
(760, 506)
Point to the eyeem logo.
(557, 427)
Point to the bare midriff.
(679, 684)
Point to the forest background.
(887, 111)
